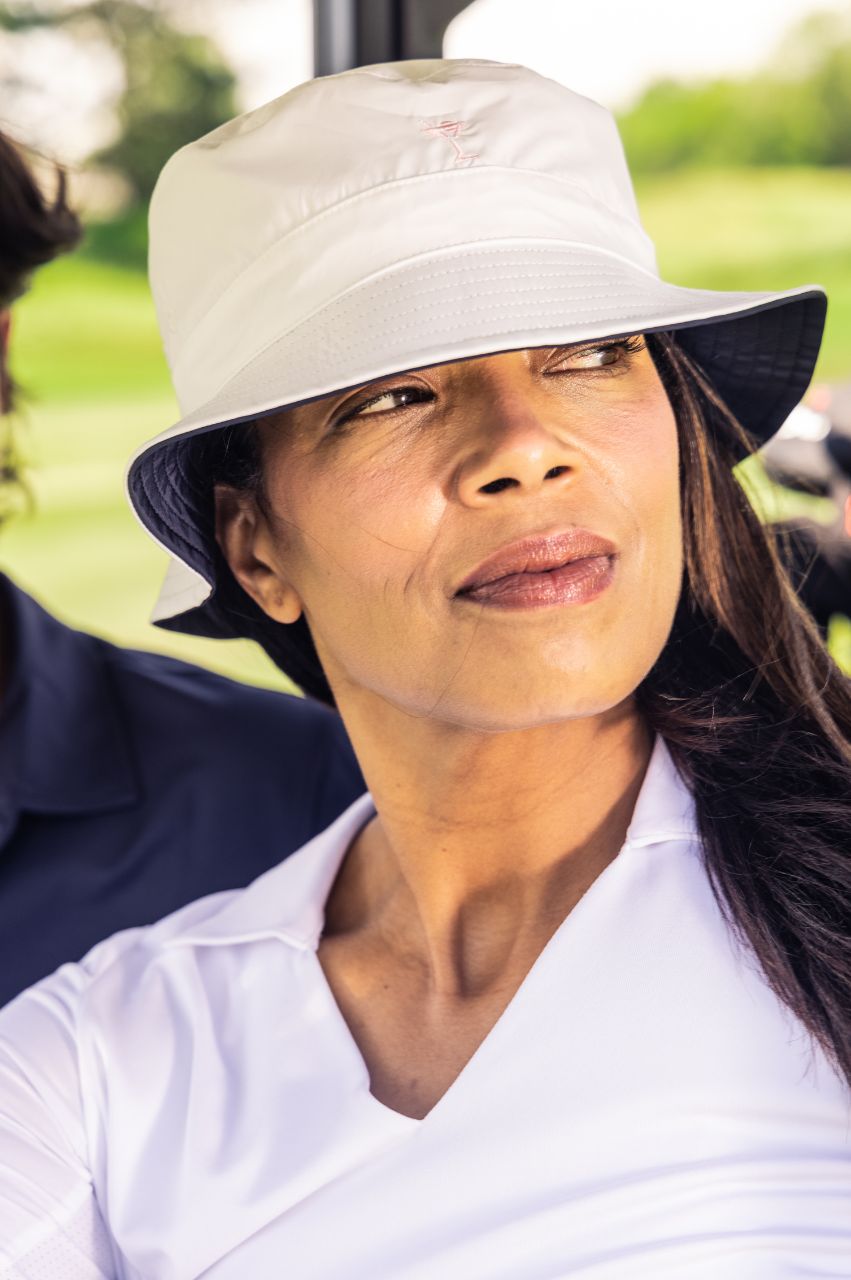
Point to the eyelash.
(628, 347)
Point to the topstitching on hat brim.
(758, 349)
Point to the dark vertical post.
(334, 36)
(355, 33)
(423, 26)
(379, 31)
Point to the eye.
(599, 355)
(386, 402)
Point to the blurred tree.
(797, 110)
(802, 49)
(177, 86)
(832, 88)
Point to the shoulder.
(125, 1076)
(67, 990)
(142, 676)
(40, 1028)
(50, 1104)
(183, 717)
(121, 1022)
(204, 945)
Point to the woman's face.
(381, 502)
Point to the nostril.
(496, 486)
(555, 471)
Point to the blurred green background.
(743, 184)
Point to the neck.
(483, 842)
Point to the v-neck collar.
(288, 902)
(298, 1065)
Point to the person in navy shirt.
(130, 783)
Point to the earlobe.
(243, 536)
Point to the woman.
(565, 992)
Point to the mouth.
(572, 566)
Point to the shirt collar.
(664, 809)
(62, 718)
(288, 902)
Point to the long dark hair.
(757, 717)
(755, 713)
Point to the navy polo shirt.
(131, 783)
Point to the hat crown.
(275, 174)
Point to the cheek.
(655, 469)
(639, 455)
(371, 525)
(644, 478)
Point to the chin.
(513, 710)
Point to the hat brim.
(758, 349)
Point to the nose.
(518, 445)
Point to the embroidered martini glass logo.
(451, 130)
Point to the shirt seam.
(61, 1216)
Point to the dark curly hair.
(756, 714)
(33, 230)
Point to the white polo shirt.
(188, 1101)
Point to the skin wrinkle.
(430, 711)
(456, 673)
(277, 520)
(503, 750)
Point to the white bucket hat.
(404, 215)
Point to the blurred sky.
(608, 49)
(611, 49)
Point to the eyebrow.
(381, 379)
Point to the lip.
(534, 559)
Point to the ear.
(243, 534)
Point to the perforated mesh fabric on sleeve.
(50, 1225)
(76, 1249)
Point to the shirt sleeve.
(51, 1227)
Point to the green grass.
(86, 350)
(761, 229)
(95, 384)
(87, 332)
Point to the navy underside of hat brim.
(760, 360)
